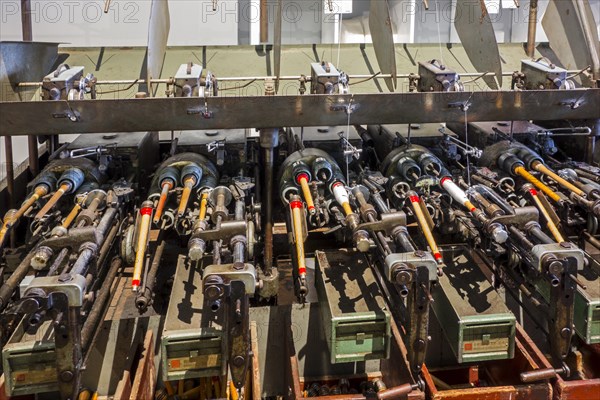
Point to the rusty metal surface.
(135, 115)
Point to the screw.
(238, 361)
(66, 376)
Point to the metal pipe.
(264, 21)
(144, 298)
(592, 240)
(26, 26)
(520, 236)
(58, 261)
(65, 187)
(87, 253)
(104, 250)
(34, 158)
(416, 203)
(538, 166)
(10, 171)
(551, 226)
(269, 140)
(142, 243)
(14, 279)
(87, 332)
(402, 239)
(239, 242)
(285, 78)
(532, 27)
(536, 231)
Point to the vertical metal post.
(531, 30)
(27, 30)
(34, 162)
(26, 20)
(264, 21)
(269, 140)
(10, 171)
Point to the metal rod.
(15, 278)
(58, 261)
(10, 171)
(532, 27)
(522, 172)
(87, 332)
(538, 166)
(592, 240)
(26, 20)
(416, 203)
(34, 158)
(65, 187)
(551, 226)
(269, 140)
(144, 299)
(264, 21)
(266, 77)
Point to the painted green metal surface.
(587, 308)
(474, 318)
(191, 343)
(355, 318)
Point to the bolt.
(420, 254)
(565, 245)
(565, 332)
(66, 376)
(213, 292)
(239, 266)
(238, 361)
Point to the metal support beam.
(155, 114)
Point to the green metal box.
(29, 361)
(355, 316)
(475, 320)
(192, 338)
(587, 309)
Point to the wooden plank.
(577, 390)
(530, 392)
(144, 381)
(256, 388)
(123, 390)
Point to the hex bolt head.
(66, 376)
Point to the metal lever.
(543, 374)
(467, 150)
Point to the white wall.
(193, 22)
